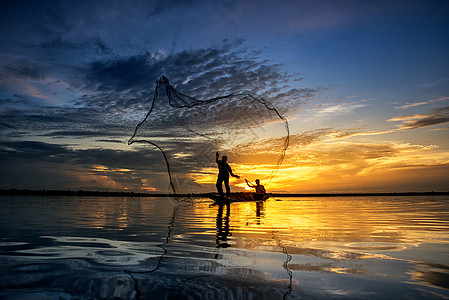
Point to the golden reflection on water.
(339, 235)
(355, 224)
(387, 237)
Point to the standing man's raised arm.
(216, 157)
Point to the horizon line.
(50, 192)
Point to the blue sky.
(365, 78)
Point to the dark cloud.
(22, 68)
(439, 116)
(435, 117)
(88, 132)
(118, 87)
(202, 73)
(31, 149)
(137, 158)
(162, 6)
(29, 119)
(119, 91)
(126, 84)
(43, 164)
(11, 104)
(5, 125)
(122, 73)
(111, 141)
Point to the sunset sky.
(364, 86)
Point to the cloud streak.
(410, 105)
(435, 117)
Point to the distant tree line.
(44, 192)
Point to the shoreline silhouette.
(45, 192)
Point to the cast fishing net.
(187, 132)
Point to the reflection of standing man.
(223, 174)
(223, 230)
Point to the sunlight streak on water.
(338, 247)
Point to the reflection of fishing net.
(188, 131)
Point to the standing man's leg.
(228, 189)
(219, 186)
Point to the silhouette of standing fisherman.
(223, 175)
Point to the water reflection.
(223, 230)
(224, 217)
(327, 247)
(432, 274)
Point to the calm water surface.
(286, 248)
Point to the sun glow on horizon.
(341, 166)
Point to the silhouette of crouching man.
(223, 175)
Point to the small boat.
(237, 197)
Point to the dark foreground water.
(160, 248)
